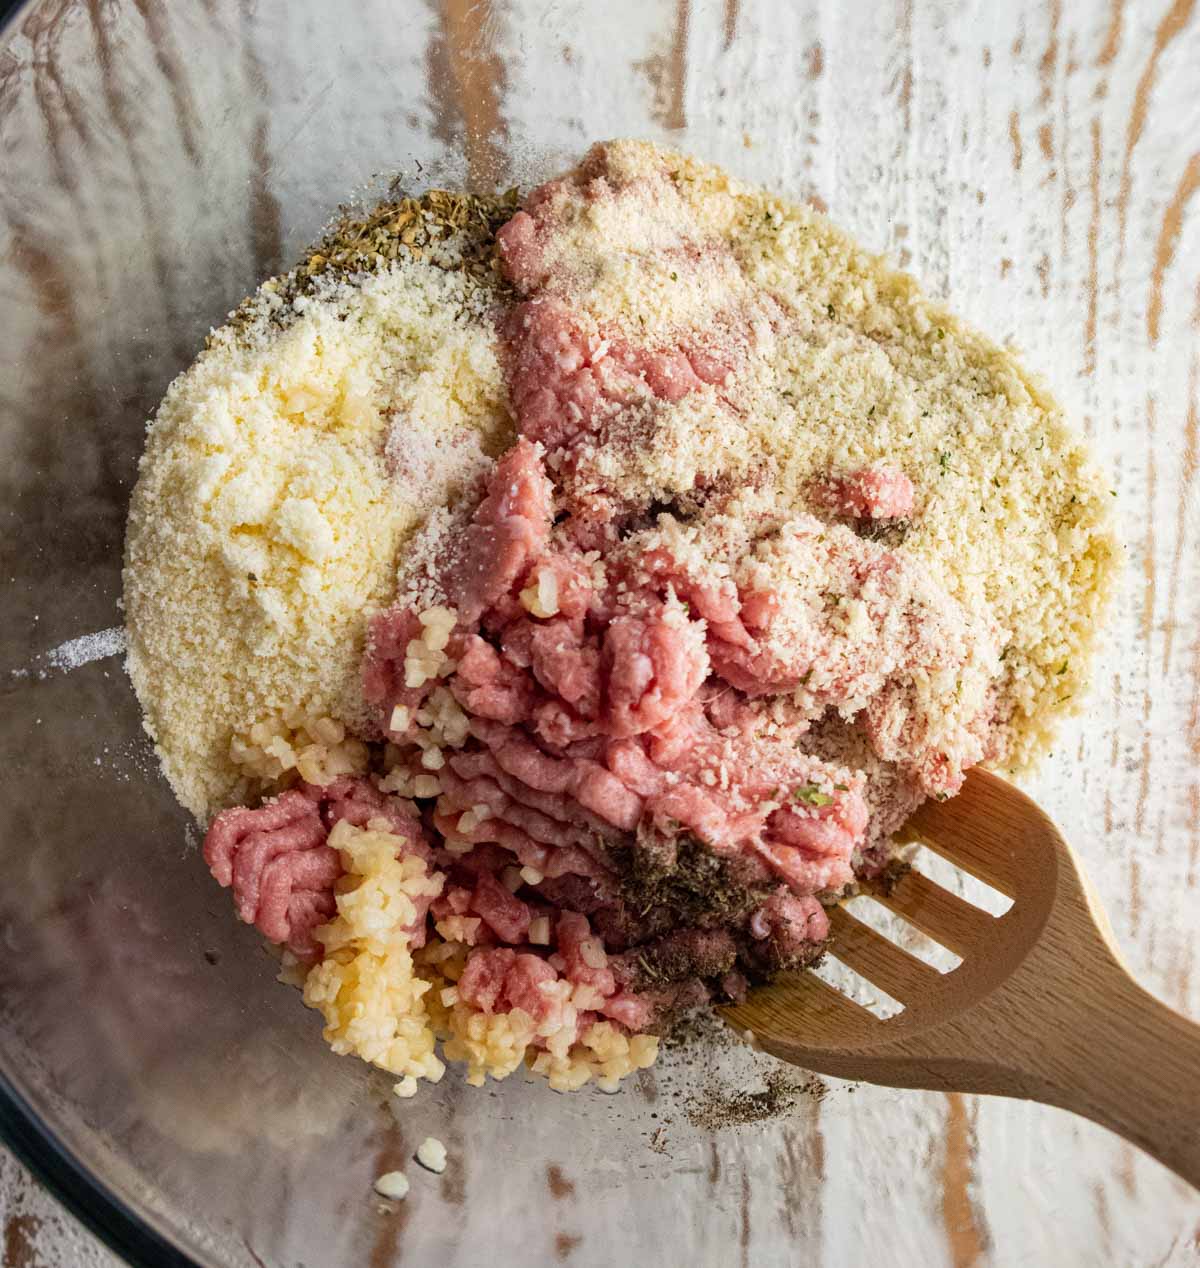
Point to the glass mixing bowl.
(158, 160)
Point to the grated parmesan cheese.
(270, 505)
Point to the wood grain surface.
(1036, 162)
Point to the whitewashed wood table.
(1036, 162)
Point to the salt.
(88, 647)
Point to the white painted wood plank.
(1036, 163)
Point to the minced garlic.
(392, 1185)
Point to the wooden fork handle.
(1116, 1055)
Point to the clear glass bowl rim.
(32, 1141)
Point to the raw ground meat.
(566, 375)
(870, 493)
(626, 699)
(279, 867)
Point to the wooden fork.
(1041, 1007)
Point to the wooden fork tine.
(880, 961)
(979, 832)
(820, 1004)
(944, 916)
(995, 865)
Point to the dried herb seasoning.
(455, 232)
(685, 879)
(413, 226)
